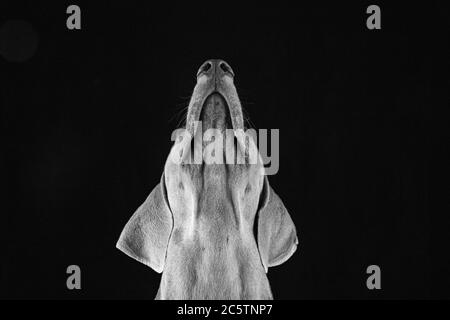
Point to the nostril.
(226, 68)
(204, 68)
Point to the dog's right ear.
(146, 235)
(277, 235)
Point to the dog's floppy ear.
(146, 235)
(277, 237)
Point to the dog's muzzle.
(215, 83)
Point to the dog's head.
(213, 185)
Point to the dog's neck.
(201, 269)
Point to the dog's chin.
(215, 113)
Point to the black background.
(87, 121)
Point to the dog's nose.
(224, 68)
(215, 68)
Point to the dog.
(212, 229)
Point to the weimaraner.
(212, 229)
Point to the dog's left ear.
(146, 235)
(277, 237)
